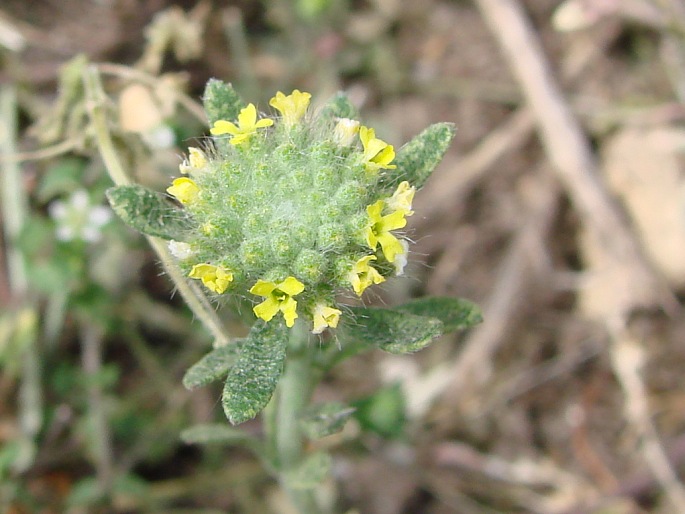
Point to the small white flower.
(345, 131)
(76, 218)
(180, 250)
(401, 259)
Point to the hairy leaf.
(325, 419)
(419, 157)
(392, 331)
(339, 106)
(253, 378)
(455, 313)
(221, 101)
(149, 212)
(213, 366)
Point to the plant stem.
(294, 392)
(14, 207)
(192, 295)
(91, 356)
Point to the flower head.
(402, 198)
(379, 227)
(377, 153)
(324, 317)
(363, 274)
(345, 130)
(291, 107)
(185, 190)
(279, 297)
(247, 125)
(196, 161)
(215, 278)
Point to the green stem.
(294, 392)
(192, 295)
(14, 205)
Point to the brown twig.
(514, 279)
(575, 166)
(571, 155)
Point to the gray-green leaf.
(455, 313)
(339, 106)
(221, 101)
(213, 366)
(392, 331)
(253, 378)
(310, 472)
(325, 419)
(149, 212)
(419, 157)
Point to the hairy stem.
(294, 392)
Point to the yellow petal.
(264, 122)
(291, 286)
(391, 246)
(289, 309)
(247, 118)
(185, 190)
(223, 127)
(402, 199)
(323, 317)
(267, 309)
(263, 288)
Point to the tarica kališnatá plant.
(294, 212)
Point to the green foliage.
(323, 420)
(213, 366)
(392, 331)
(418, 158)
(311, 471)
(64, 177)
(455, 313)
(339, 106)
(148, 212)
(221, 101)
(253, 378)
(218, 433)
(384, 412)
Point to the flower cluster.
(292, 211)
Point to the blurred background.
(559, 208)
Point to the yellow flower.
(196, 161)
(379, 227)
(279, 297)
(247, 125)
(402, 198)
(184, 189)
(215, 278)
(325, 316)
(291, 107)
(345, 130)
(363, 274)
(377, 153)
